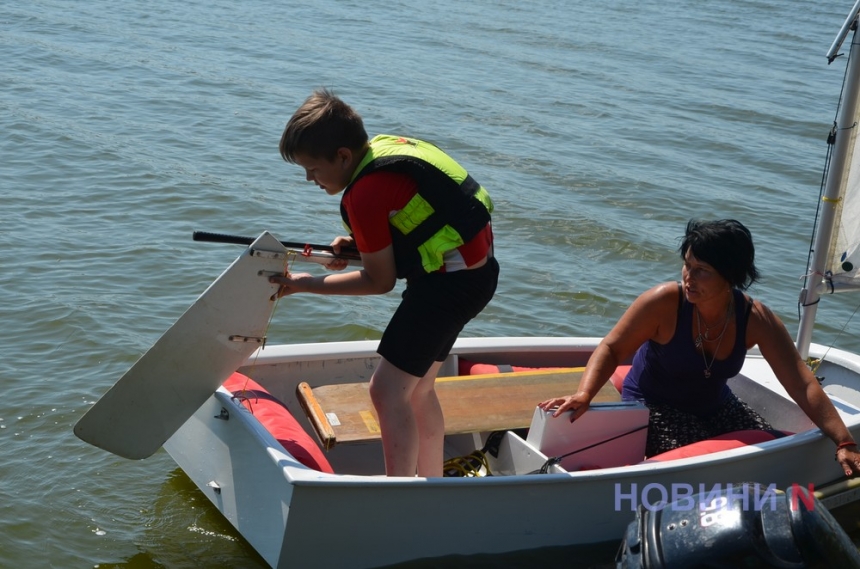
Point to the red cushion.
(618, 376)
(278, 420)
(726, 441)
(467, 367)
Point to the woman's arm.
(652, 316)
(768, 331)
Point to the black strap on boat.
(250, 395)
(828, 278)
(557, 459)
(493, 443)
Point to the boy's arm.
(377, 277)
(337, 245)
(379, 273)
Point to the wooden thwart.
(470, 403)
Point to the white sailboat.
(293, 458)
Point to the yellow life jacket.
(449, 209)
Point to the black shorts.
(433, 312)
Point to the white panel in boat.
(608, 434)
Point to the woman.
(690, 337)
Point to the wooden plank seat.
(470, 403)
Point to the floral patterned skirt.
(669, 428)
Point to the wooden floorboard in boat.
(472, 403)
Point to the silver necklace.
(706, 336)
(700, 339)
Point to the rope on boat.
(476, 463)
(472, 465)
(813, 363)
(557, 459)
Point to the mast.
(810, 294)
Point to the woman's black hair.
(726, 245)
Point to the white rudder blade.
(191, 360)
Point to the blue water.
(599, 128)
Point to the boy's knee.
(386, 392)
(375, 391)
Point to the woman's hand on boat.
(290, 283)
(578, 402)
(849, 458)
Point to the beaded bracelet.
(841, 446)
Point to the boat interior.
(493, 426)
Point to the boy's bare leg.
(430, 423)
(391, 391)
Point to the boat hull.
(298, 517)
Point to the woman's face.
(700, 280)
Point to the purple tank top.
(673, 374)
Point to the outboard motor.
(744, 525)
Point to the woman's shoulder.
(762, 322)
(767, 330)
(666, 292)
(761, 313)
(653, 315)
(660, 301)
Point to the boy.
(412, 213)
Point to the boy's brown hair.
(320, 126)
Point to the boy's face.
(331, 175)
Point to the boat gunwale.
(317, 351)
